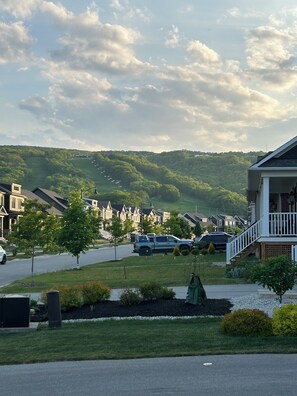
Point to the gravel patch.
(253, 301)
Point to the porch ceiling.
(277, 184)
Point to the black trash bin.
(14, 310)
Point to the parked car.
(2, 255)
(219, 240)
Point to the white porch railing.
(280, 225)
(243, 240)
(283, 224)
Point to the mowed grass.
(132, 272)
(126, 339)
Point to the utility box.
(14, 310)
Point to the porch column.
(265, 206)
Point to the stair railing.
(241, 241)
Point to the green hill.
(177, 180)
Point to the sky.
(153, 75)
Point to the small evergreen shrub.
(185, 252)
(195, 252)
(168, 294)
(130, 297)
(236, 272)
(284, 320)
(70, 296)
(204, 251)
(176, 251)
(94, 292)
(247, 322)
(151, 291)
(211, 249)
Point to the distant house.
(162, 216)
(3, 213)
(119, 211)
(222, 222)
(52, 198)
(105, 209)
(33, 197)
(150, 214)
(272, 199)
(12, 199)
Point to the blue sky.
(152, 75)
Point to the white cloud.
(271, 56)
(201, 53)
(19, 8)
(15, 43)
(174, 38)
(123, 9)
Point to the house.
(105, 209)
(272, 198)
(162, 216)
(150, 214)
(223, 222)
(3, 213)
(52, 198)
(119, 211)
(33, 197)
(12, 207)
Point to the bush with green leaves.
(176, 251)
(185, 252)
(284, 320)
(277, 274)
(130, 297)
(247, 322)
(151, 291)
(94, 292)
(204, 251)
(167, 294)
(70, 296)
(195, 252)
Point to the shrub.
(211, 249)
(284, 320)
(252, 322)
(168, 294)
(94, 291)
(236, 272)
(70, 296)
(277, 274)
(204, 251)
(185, 252)
(195, 252)
(151, 291)
(176, 251)
(130, 297)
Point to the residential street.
(243, 375)
(19, 268)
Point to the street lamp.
(82, 192)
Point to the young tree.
(35, 228)
(118, 230)
(79, 227)
(197, 229)
(177, 226)
(277, 274)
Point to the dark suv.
(219, 240)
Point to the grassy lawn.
(166, 269)
(133, 339)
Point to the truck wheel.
(3, 260)
(145, 251)
(183, 248)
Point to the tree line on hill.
(216, 178)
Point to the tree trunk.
(32, 267)
(77, 261)
(115, 250)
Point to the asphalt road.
(21, 268)
(243, 375)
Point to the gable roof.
(30, 195)
(283, 157)
(51, 197)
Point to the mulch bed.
(175, 307)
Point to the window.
(161, 239)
